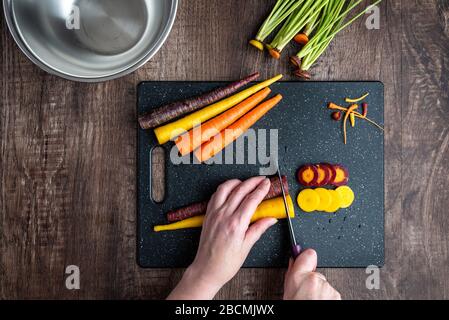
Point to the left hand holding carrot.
(226, 238)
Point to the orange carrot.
(235, 130)
(301, 38)
(191, 140)
(275, 53)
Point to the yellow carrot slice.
(335, 203)
(235, 130)
(273, 208)
(191, 140)
(308, 200)
(347, 196)
(174, 129)
(325, 199)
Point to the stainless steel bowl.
(90, 40)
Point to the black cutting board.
(353, 237)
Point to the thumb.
(306, 262)
(256, 230)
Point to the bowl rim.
(168, 25)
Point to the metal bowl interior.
(89, 40)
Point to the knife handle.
(296, 251)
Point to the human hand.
(226, 238)
(303, 283)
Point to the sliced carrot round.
(308, 200)
(341, 177)
(323, 175)
(325, 199)
(335, 203)
(331, 171)
(307, 175)
(347, 196)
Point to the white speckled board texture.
(353, 237)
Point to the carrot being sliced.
(273, 208)
(174, 129)
(191, 140)
(235, 130)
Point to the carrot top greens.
(281, 11)
(311, 23)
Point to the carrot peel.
(350, 110)
(349, 100)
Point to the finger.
(221, 195)
(290, 263)
(239, 193)
(252, 200)
(321, 276)
(256, 231)
(306, 262)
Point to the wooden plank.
(67, 165)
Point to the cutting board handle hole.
(157, 172)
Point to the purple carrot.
(176, 109)
(199, 208)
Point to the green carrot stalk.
(325, 28)
(281, 11)
(331, 24)
(295, 23)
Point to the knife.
(296, 248)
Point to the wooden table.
(68, 155)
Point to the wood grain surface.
(68, 155)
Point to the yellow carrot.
(235, 130)
(257, 44)
(191, 140)
(174, 129)
(273, 208)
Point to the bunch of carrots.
(313, 24)
(206, 124)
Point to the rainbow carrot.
(198, 135)
(174, 129)
(235, 130)
(171, 111)
(273, 208)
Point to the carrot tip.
(301, 38)
(275, 53)
(303, 74)
(257, 44)
(296, 61)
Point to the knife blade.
(296, 248)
